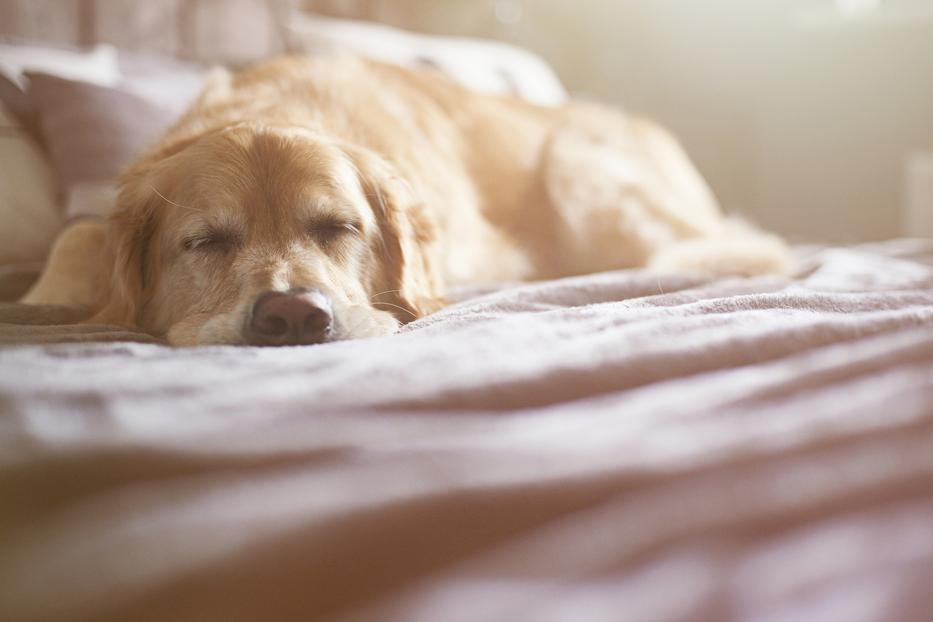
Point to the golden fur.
(379, 186)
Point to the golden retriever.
(308, 200)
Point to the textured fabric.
(16, 279)
(94, 132)
(238, 32)
(17, 105)
(97, 66)
(483, 66)
(623, 446)
(218, 31)
(29, 213)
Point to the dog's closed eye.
(330, 231)
(211, 240)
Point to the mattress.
(620, 446)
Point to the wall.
(801, 120)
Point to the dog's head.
(267, 236)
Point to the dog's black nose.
(296, 317)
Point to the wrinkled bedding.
(622, 446)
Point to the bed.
(627, 446)
(621, 446)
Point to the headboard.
(222, 31)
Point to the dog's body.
(374, 187)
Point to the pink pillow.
(94, 131)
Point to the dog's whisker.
(390, 291)
(397, 307)
(171, 202)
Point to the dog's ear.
(129, 254)
(128, 260)
(407, 279)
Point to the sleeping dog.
(308, 200)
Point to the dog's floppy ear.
(127, 257)
(407, 278)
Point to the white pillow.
(484, 66)
(98, 66)
(29, 214)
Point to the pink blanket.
(623, 446)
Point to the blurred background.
(812, 117)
